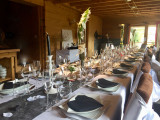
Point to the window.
(151, 35)
(137, 35)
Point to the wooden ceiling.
(121, 8)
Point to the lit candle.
(48, 45)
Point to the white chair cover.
(138, 109)
(153, 57)
(155, 65)
(154, 76)
(136, 81)
(156, 86)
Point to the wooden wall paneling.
(41, 35)
(95, 24)
(57, 17)
(110, 24)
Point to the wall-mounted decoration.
(67, 38)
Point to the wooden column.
(42, 40)
(146, 34)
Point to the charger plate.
(93, 114)
(108, 89)
(10, 91)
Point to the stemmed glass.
(47, 87)
(64, 91)
(26, 73)
(36, 70)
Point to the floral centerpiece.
(71, 76)
(81, 34)
(71, 69)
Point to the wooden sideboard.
(8, 59)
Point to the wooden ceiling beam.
(126, 13)
(125, 9)
(67, 1)
(87, 3)
(113, 3)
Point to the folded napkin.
(105, 83)
(9, 114)
(83, 103)
(116, 71)
(35, 98)
(125, 65)
(10, 85)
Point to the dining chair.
(147, 58)
(140, 105)
(146, 68)
(155, 65)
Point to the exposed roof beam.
(67, 1)
(114, 2)
(124, 8)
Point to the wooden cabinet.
(8, 59)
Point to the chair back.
(146, 67)
(145, 87)
(141, 99)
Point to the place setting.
(104, 83)
(15, 87)
(83, 106)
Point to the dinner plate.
(10, 91)
(110, 73)
(20, 80)
(125, 68)
(93, 114)
(108, 89)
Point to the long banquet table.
(115, 101)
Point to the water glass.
(47, 87)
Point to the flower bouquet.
(81, 35)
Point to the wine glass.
(64, 91)
(47, 87)
(36, 70)
(58, 84)
(26, 73)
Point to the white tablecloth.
(52, 114)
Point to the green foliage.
(71, 68)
